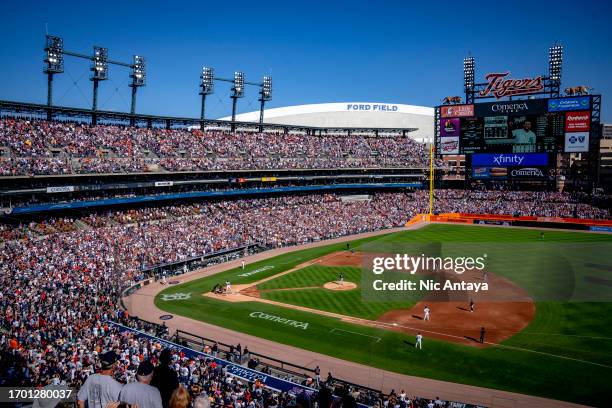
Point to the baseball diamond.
(518, 333)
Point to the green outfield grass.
(565, 353)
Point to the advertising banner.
(164, 183)
(578, 121)
(528, 173)
(450, 127)
(449, 145)
(569, 104)
(61, 189)
(577, 142)
(510, 108)
(457, 111)
(493, 222)
(509, 159)
(488, 173)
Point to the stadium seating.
(41, 147)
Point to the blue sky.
(316, 51)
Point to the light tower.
(266, 95)
(237, 92)
(139, 78)
(54, 60)
(469, 66)
(555, 63)
(99, 70)
(207, 87)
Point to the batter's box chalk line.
(352, 332)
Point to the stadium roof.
(351, 115)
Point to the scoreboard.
(525, 128)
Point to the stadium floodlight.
(207, 87)
(207, 82)
(238, 85)
(54, 64)
(100, 64)
(139, 78)
(469, 66)
(468, 72)
(139, 71)
(54, 55)
(266, 89)
(555, 62)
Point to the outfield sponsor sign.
(509, 108)
(569, 104)
(578, 121)
(485, 173)
(509, 159)
(600, 228)
(493, 222)
(450, 127)
(527, 173)
(457, 111)
(449, 145)
(577, 142)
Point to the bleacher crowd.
(39, 147)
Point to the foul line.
(497, 344)
(352, 332)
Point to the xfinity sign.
(509, 159)
(371, 107)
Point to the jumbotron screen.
(522, 126)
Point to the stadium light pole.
(54, 60)
(139, 77)
(207, 87)
(237, 92)
(469, 66)
(555, 63)
(266, 95)
(99, 70)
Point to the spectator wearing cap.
(141, 393)
(165, 378)
(100, 389)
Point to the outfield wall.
(579, 224)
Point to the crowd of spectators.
(58, 290)
(41, 147)
(282, 227)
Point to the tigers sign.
(499, 85)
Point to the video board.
(516, 126)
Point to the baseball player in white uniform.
(228, 287)
(426, 312)
(419, 339)
(242, 265)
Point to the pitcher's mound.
(340, 285)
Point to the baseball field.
(545, 314)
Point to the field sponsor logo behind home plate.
(256, 271)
